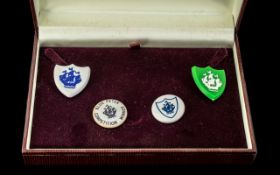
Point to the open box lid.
(176, 23)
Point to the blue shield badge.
(71, 79)
(168, 107)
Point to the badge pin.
(109, 113)
(211, 82)
(168, 108)
(71, 79)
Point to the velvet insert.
(137, 78)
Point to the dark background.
(17, 51)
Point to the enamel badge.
(109, 113)
(71, 79)
(210, 82)
(168, 108)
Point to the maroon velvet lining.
(136, 77)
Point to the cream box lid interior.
(155, 23)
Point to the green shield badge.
(210, 82)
